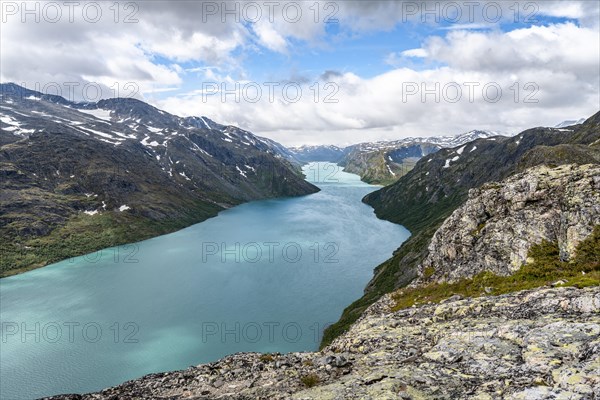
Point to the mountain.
(440, 182)
(440, 141)
(568, 123)
(500, 222)
(384, 162)
(77, 177)
(264, 144)
(443, 179)
(322, 153)
(281, 151)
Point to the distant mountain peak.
(122, 121)
(482, 133)
(568, 123)
(307, 147)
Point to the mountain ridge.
(116, 164)
(383, 162)
(439, 183)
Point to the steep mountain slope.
(81, 176)
(440, 182)
(497, 226)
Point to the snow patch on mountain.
(98, 113)
(568, 123)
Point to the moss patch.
(310, 380)
(266, 358)
(545, 269)
(475, 232)
(429, 271)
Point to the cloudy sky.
(318, 72)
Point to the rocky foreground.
(499, 223)
(539, 344)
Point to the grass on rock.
(545, 269)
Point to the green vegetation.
(83, 234)
(545, 269)
(477, 231)
(428, 273)
(266, 358)
(310, 380)
(559, 155)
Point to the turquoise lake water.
(265, 276)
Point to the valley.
(78, 177)
(424, 198)
(322, 200)
(235, 282)
(384, 162)
(90, 189)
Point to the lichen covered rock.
(495, 228)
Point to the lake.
(266, 276)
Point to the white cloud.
(564, 9)
(562, 59)
(562, 47)
(554, 66)
(269, 37)
(419, 53)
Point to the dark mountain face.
(117, 165)
(417, 151)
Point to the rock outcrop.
(495, 228)
(540, 344)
